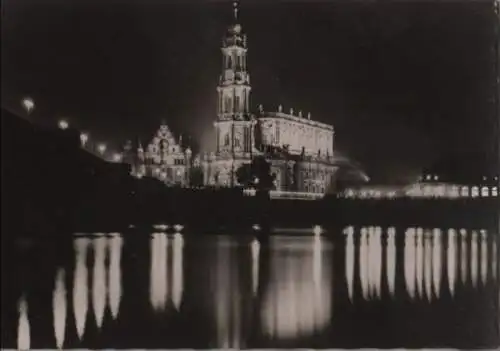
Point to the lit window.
(484, 192)
(475, 192)
(464, 191)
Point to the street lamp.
(28, 104)
(63, 124)
(117, 157)
(84, 137)
(101, 148)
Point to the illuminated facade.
(299, 149)
(164, 159)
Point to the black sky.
(405, 83)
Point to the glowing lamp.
(117, 157)
(28, 104)
(101, 148)
(63, 124)
(84, 137)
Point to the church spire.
(234, 83)
(236, 8)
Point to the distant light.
(101, 148)
(178, 227)
(436, 177)
(428, 177)
(256, 181)
(256, 227)
(84, 137)
(63, 124)
(28, 104)
(117, 157)
(160, 226)
(484, 177)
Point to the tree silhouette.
(196, 177)
(257, 174)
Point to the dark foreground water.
(357, 287)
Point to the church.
(299, 149)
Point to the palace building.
(164, 159)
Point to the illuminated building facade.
(299, 149)
(164, 159)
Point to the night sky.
(406, 84)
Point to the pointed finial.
(261, 108)
(300, 114)
(291, 110)
(309, 115)
(236, 9)
(280, 108)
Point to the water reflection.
(463, 256)
(281, 291)
(158, 272)
(80, 285)
(363, 262)
(114, 274)
(225, 275)
(177, 270)
(409, 261)
(484, 257)
(255, 253)
(349, 260)
(452, 260)
(59, 308)
(391, 260)
(166, 282)
(23, 329)
(428, 264)
(298, 298)
(99, 279)
(494, 262)
(473, 258)
(419, 260)
(437, 261)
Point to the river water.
(373, 286)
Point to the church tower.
(234, 125)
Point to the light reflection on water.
(298, 298)
(23, 329)
(80, 285)
(287, 289)
(59, 308)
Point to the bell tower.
(233, 125)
